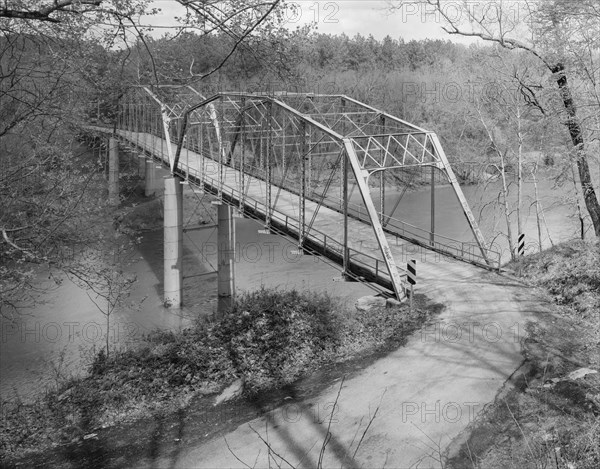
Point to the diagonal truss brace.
(361, 180)
(166, 120)
(463, 201)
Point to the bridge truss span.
(327, 170)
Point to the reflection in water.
(59, 335)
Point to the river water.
(59, 335)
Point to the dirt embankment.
(268, 341)
(548, 413)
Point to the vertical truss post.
(119, 116)
(346, 262)
(363, 186)
(283, 159)
(143, 113)
(132, 120)
(218, 127)
(137, 123)
(344, 174)
(132, 107)
(152, 126)
(158, 131)
(310, 152)
(302, 200)
(202, 133)
(432, 230)
(382, 173)
(243, 154)
(261, 145)
(268, 156)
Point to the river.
(59, 335)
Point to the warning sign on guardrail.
(411, 268)
(521, 248)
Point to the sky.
(350, 17)
(370, 17)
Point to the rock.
(392, 303)
(580, 373)
(573, 376)
(367, 303)
(232, 391)
(65, 395)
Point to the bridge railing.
(468, 251)
(398, 229)
(362, 266)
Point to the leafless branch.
(270, 448)
(44, 12)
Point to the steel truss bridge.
(315, 168)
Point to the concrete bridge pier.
(113, 171)
(173, 243)
(152, 182)
(141, 166)
(225, 257)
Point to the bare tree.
(562, 36)
(100, 272)
(56, 57)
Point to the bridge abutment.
(173, 242)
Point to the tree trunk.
(579, 213)
(576, 132)
(537, 206)
(519, 173)
(513, 253)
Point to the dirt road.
(403, 410)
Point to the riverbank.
(269, 340)
(548, 413)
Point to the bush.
(268, 338)
(273, 336)
(570, 272)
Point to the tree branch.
(43, 13)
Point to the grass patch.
(570, 272)
(269, 338)
(544, 418)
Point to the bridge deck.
(325, 236)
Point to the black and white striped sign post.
(411, 269)
(521, 247)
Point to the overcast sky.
(370, 17)
(350, 17)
